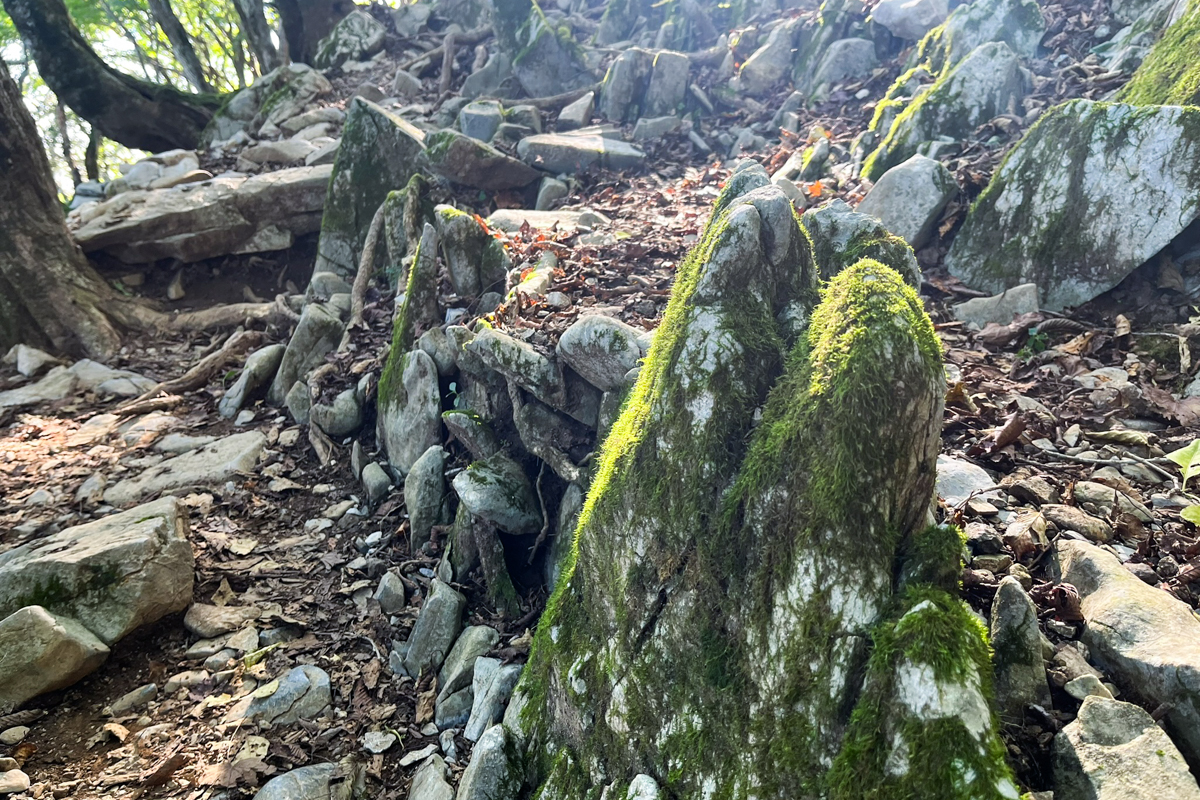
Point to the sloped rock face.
(1093, 191)
(1170, 75)
(379, 153)
(988, 82)
(544, 63)
(111, 575)
(193, 222)
(42, 653)
(727, 581)
(357, 36)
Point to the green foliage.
(1188, 459)
(1191, 514)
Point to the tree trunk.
(49, 295)
(307, 22)
(60, 119)
(258, 34)
(136, 113)
(181, 43)
(91, 156)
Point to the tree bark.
(306, 22)
(181, 43)
(60, 119)
(91, 156)
(49, 295)
(136, 113)
(258, 34)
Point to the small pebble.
(376, 742)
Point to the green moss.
(419, 297)
(1170, 75)
(891, 753)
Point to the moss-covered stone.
(546, 60)
(1017, 23)
(379, 153)
(1170, 75)
(841, 237)
(1092, 191)
(476, 260)
(725, 580)
(988, 82)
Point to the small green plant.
(1037, 343)
(1188, 459)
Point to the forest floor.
(282, 538)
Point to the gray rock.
(654, 127)
(211, 465)
(1020, 672)
(493, 79)
(625, 85)
(298, 402)
(602, 350)
(424, 491)
(209, 622)
(376, 483)
(435, 342)
(326, 114)
(14, 735)
(318, 331)
(476, 261)
(770, 63)
(255, 375)
(1143, 637)
(13, 781)
(473, 432)
(1115, 751)
(1026, 227)
(577, 114)
(957, 479)
(379, 153)
(988, 82)
(1001, 308)
(496, 489)
(429, 781)
(1087, 686)
(29, 361)
(436, 629)
(288, 151)
(454, 709)
(56, 385)
(840, 236)
(490, 775)
(229, 214)
(340, 418)
(668, 84)
(492, 686)
(511, 220)
(525, 116)
(459, 667)
(642, 787)
(469, 162)
(133, 700)
(112, 575)
(409, 421)
(356, 37)
(390, 593)
(550, 191)
(910, 19)
(560, 153)
(909, 198)
(545, 61)
(174, 444)
(846, 59)
(1017, 23)
(411, 18)
(316, 782)
(303, 693)
(405, 85)
(43, 652)
(289, 89)
(93, 376)
(480, 119)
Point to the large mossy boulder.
(988, 82)
(545, 60)
(730, 584)
(1092, 191)
(379, 153)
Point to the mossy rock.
(546, 60)
(379, 153)
(1091, 192)
(1170, 75)
(1017, 23)
(988, 82)
(727, 580)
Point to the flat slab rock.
(1145, 639)
(228, 214)
(84, 375)
(210, 465)
(112, 575)
(558, 153)
(511, 220)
